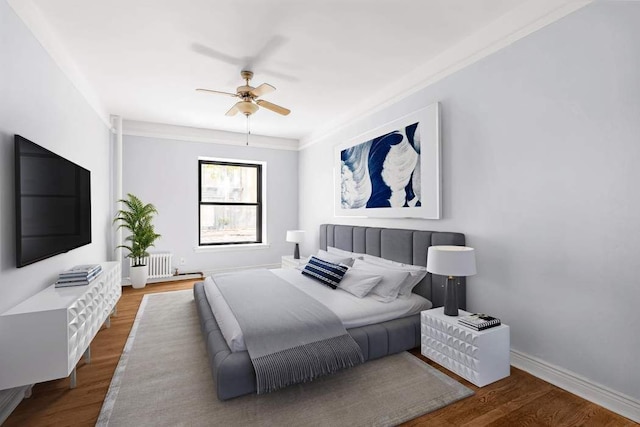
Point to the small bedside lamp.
(451, 261)
(295, 236)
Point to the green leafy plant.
(137, 218)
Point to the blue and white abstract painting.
(383, 176)
(382, 172)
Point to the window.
(230, 202)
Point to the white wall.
(541, 147)
(38, 102)
(165, 172)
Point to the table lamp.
(295, 236)
(451, 261)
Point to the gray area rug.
(163, 379)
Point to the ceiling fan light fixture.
(247, 107)
(249, 96)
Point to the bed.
(233, 372)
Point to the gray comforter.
(290, 337)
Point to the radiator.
(158, 264)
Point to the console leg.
(72, 379)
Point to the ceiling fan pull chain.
(248, 129)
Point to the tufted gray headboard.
(406, 246)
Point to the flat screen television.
(53, 203)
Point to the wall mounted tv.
(53, 203)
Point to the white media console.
(44, 337)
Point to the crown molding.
(185, 133)
(31, 16)
(524, 20)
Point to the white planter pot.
(139, 276)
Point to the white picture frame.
(392, 171)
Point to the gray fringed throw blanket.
(291, 337)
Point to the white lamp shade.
(295, 236)
(457, 261)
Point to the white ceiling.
(330, 61)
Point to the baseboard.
(10, 399)
(574, 383)
(181, 276)
(248, 267)
(126, 281)
(201, 275)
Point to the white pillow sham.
(387, 289)
(383, 261)
(344, 253)
(334, 258)
(359, 282)
(416, 272)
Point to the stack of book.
(479, 321)
(79, 275)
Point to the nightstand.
(289, 262)
(481, 357)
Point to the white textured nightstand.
(289, 262)
(480, 357)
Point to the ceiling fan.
(249, 95)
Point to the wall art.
(392, 171)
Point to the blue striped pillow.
(325, 272)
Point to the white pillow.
(387, 289)
(387, 262)
(343, 253)
(303, 262)
(416, 272)
(359, 282)
(336, 259)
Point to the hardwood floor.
(520, 400)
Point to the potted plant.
(137, 218)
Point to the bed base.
(233, 373)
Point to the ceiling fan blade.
(212, 53)
(233, 111)
(273, 44)
(263, 89)
(217, 92)
(273, 107)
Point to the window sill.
(232, 248)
